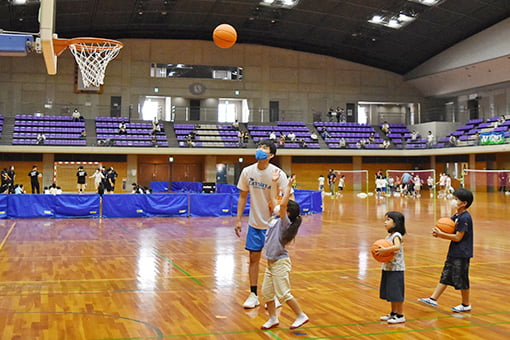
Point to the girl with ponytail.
(282, 229)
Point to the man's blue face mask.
(260, 155)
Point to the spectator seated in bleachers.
(83, 134)
(105, 142)
(452, 140)
(371, 138)
(291, 136)
(272, 136)
(77, 116)
(386, 144)
(122, 128)
(235, 125)
(302, 143)
(342, 143)
(324, 133)
(314, 137)
(281, 141)
(414, 135)
(41, 138)
(385, 128)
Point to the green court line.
(175, 265)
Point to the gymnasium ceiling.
(337, 28)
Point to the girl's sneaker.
(395, 319)
(386, 317)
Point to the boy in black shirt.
(456, 268)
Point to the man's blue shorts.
(255, 239)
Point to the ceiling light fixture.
(280, 3)
(393, 20)
(428, 2)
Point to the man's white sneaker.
(300, 321)
(271, 323)
(251, 302)
(461, 308)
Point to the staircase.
(7, 131)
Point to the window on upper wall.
(196, 71)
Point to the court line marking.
(7, 235)
(175, 265)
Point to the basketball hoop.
(92, 56)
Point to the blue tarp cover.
(159, 186)
(187, 187)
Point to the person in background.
(19, 189)
(34, 180)
(76, 115)
(430, 139)
(41, 138)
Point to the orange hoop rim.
(60, 45)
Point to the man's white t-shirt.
(258, 183)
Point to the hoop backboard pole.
(46, 31)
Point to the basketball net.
(92, 56)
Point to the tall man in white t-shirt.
(256, 180)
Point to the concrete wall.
(300, 82)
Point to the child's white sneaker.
(300, 321)
(271, 323)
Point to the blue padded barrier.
(136, 205)
(31, 206)
(226, 189)
(310, 201)
(75, 205)
(235, 200)
(3, 205)
(195, 187)
(160, 186)
(210, 205)
(59, 206)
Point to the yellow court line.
(6, 236)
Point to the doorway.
(153, 173)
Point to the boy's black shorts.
(456, 273)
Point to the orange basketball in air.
(446, 225)
(385, 244)
(224, 36)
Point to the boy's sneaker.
(386, 317)
(428, 301)
(251, 302)
(461, 308)
(395, 319)
(271, 323)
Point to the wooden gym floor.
(186, 278)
